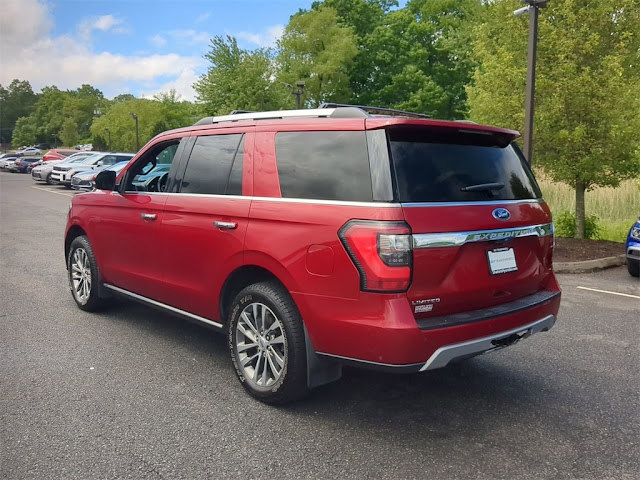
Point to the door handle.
(226, 225)
(150, 217)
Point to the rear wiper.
(482, 187)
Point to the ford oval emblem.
(501, 214)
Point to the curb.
(589, 265)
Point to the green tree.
(69, 132)
(588, 76)
(417, 58)
(17, 100)
(153, 117)
(24, 133)
(316, 49)
(238, 79)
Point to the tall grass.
(615, 208)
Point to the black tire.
(271, 366)
(83, 274)
(634, 267)
(48, 179)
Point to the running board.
(162, 306)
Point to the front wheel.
(84, 276)
(634, 267)
(267, 344)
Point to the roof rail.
(280, 114)
(376, 110)
(326, 110)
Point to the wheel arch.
(240, 278)
(73, 232)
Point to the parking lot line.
(51, 191)
(610, 293)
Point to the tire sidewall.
(93, 301)
(288, 384)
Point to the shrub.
(565, 224)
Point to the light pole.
(135, 117)
(298, 93)
(109, 134)
(532, 7)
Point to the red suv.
(318, 238)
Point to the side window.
(324, 165)
(109, 160)
(150, 173)
(215, 166)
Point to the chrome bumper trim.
(456, 239)
(448, 353)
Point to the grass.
(616, 209)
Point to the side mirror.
(106, 180)
(100, 163)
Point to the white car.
(63, 172)
(31, 151)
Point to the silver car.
(84, 180)
(43, 172)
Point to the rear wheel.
(267, 344)
(634, 267)
(84, 276)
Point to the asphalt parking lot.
(134, 393)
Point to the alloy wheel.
(261, 345)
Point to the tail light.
(382, 253)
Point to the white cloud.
(158, 40)
(202, 18)
(190, 37)
(29, 52)
(264, 39)
(104, 23)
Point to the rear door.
(482, 235)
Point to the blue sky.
(140, 47)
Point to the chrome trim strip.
(442, 356)
(328, 202)
(162, 305)
(457, 239)
(272, 199)
(466, 204)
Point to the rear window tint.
(324, 165)
(459, 168)
(215, 166)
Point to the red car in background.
(57, 154)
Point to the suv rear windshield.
(460, 166)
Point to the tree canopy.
(588, 76)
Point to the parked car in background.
(8, 157)
(31, 151)
(633, 249)
(43, 172)
(57, 154)
(62, 173)
(322, 237)
(85, 180)
(20, 164)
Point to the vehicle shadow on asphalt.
(486, 390)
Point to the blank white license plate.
(502, 260)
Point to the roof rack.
(377, 110)
(326, 110)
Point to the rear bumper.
(386, 335)
(449, 353)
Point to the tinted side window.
(324, 165)
(214, 164)
(458, 169)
